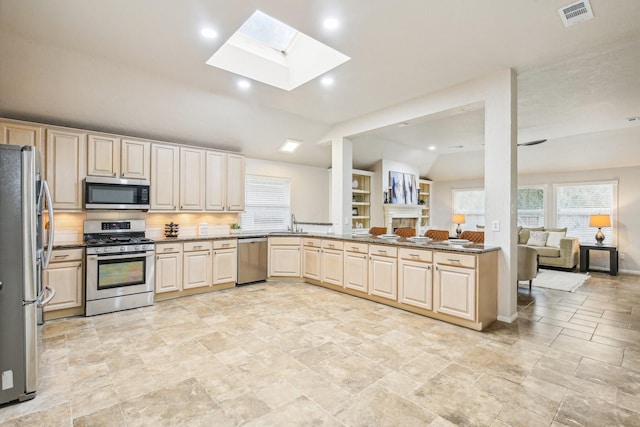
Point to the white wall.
(628, 220)
(310, 187)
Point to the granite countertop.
(366, 238)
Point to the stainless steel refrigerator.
(22, 260)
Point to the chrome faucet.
(294, 224)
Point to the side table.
(613, 257)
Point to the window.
(469, 202)
(576, 202)
(267, 203)
(531, 202)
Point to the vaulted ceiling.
(138, 68)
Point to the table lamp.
(599, 221)
(458, 219)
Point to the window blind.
(469, 202)
(531, 206)
(267, 203)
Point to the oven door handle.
(107, 258)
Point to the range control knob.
(123, 249)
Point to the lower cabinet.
(312, 259)
(383, 271)
(455, 285)
(356, 266)
(225, 261)
(168, 267)
(65, 275)
(415, 278)
(284, 257)
(197, 265)
(332, 262)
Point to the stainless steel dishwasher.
(252, 260)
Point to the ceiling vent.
(575, 13)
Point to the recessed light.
(244, 84)
(432, 147)
(331, 23)
(289, 146)
(403, 124)
(327, 81)
(633, 119)
(209, 33)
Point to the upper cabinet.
(235, 182)
(216, 181)
(361, 199)
(165, 167)
(111, 156)
(191, 182)
(22, 134)
(66, 167)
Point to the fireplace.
(397, 215)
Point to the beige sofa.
(566, 255)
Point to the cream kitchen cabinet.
(168, 268)
(165, 177)
(111, 156)
(332, 262)
(284, 257)
(455, 285)
(66, 167)
(192, 170)
(224, 183)
(312, 258)
(415, 277)
(135, 159)
(225, 261)
(356, 266)
(383, 271)
(65, 275)
(197, 264)
(23, 134)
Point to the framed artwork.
(396, 186)
(410, 189)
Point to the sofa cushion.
(545, 251)
(553, 240)
(523, 236)
(564, 229)
(538, 238)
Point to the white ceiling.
(138, 68)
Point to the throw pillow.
(553, 240)
(524, 234)
(538, 238)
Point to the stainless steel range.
(120, 266)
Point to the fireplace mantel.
(392, 211)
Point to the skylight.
(269, 51)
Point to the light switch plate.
(495, 225)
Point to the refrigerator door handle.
(52, 294)
(47, 193)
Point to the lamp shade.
(599, 221)
(458, 218)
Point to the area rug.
(559, 280)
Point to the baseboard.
(510, 319)
(625, 271)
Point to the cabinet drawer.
(458, 260)
(314, 243)
(60, 255)
(380, 250)
(197, 246)
(284, 240)
(225, 244)
(333, 244)
(415, 255)
(356, 247)
(168, 248)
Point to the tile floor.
(298, 354)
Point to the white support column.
(341, 172)
(501, 183)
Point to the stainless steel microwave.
(115, 193)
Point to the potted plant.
(235, 228)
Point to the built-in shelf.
(424, 199)
(361, 199)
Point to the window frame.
(248, 224)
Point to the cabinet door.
(216, 181)
(66, 168)
(356, 271)
(196, 269)
(383, 272)
(66, 279)
(415, 283)
(454, 291)
(311, 263)
(164, 177)
(135, 159)
(103, 156)
(225, 266)
(284, 261)
(332, 267)
(191, 183)
(22, 134)
(168, 272)
(235, 182)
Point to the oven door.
(112, 275)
